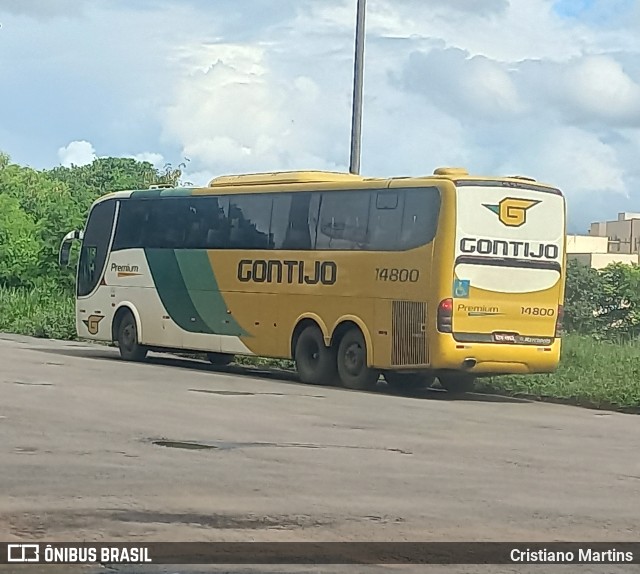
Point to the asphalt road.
(93, 449)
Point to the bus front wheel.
(408, 381)
(457, 383)
(352, 362)
(130, 348)
(315, 362)
(220, 359)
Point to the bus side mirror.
(65, 247)
(63, 256)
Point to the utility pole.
(358, 87)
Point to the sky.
(544, 88)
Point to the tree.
(19, 245)
(109, 174)
(52, 209)
(621, 300)
(583, 298)
(39, 207)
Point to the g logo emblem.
(511, 211)
(92, 323)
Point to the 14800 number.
(398, 275)
(538, 311)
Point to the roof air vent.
(450, 171)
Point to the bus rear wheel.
(220, 359)
(408, 381)
(352, 362)
(315, 362)
(128, 345)
(457, 383)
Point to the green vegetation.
(40, 312)
(600, 365)
(604, 304)
(592, 373)
(601, 353)
(38, 207)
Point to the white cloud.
(232, 113)
(464, 85)
(77, 153)
(155, 159)
(456, 93)
(499, 86)
(576, 160)
(82, 152)
(599, 88)
(504, 31)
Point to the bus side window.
(216, 222)
(154, 232)
(344, 220)
(167, 225)
(132, 221)
(280, 219)
(385, 220)
(250, 220)
(420, 218)
(194, 238)
(293, 224)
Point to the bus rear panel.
(507, 279)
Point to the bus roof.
(293, 177)
(281, 177)
(455, 174)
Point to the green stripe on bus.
(204, 292)
(145, 194)
(173, 291)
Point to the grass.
(47, 313)
(266, 362)
(592, 373)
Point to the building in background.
(623, 233)
(608, 242)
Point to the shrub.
(46, 311)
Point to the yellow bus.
(448, 276)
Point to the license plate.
(505, 337)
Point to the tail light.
(445, 316)
(559, 321)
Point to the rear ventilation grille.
(409, 334)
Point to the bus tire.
(315, 362)
(408, 381)
(352, 362)
(220, 359)
(128, 345)
(458, 383)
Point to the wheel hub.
(313, 352)
(353, 359)
(128, 336)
